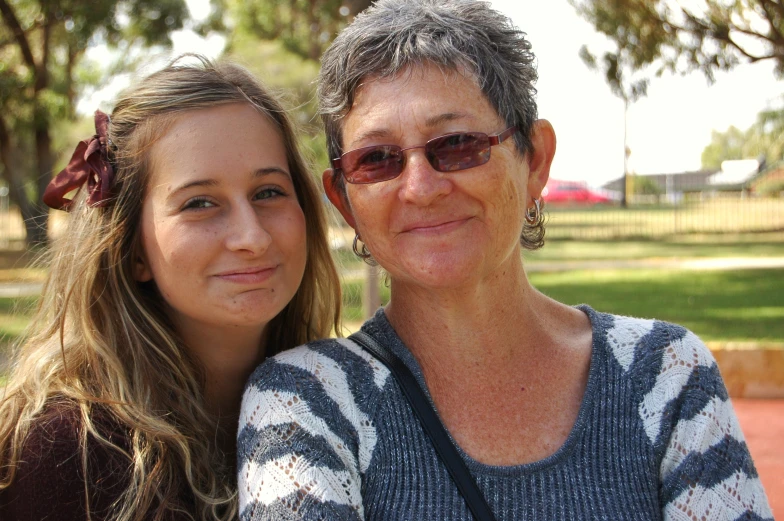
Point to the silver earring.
(534, 214)
(364, 253)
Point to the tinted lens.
(458, 151)
(372, 164)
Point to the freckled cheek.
(511, 194)
(173, 250)
(288, 230)
(372, 214)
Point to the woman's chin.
(438, 272)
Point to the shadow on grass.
(716, 305)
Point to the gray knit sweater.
(325, 433)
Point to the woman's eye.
(457, 140)
(268, 193)
(197, 203)
(376, 157)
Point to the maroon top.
(50, 482)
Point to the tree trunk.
(39, 220)
(38, 225)
(11, 175)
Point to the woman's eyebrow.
(192, 184)
(371, 134)
(434, 121)
(261, 172)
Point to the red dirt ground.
(762, 422)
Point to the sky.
(666, 131)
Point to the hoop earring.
(533, 215)
(364, 253)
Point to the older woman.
(557, 412)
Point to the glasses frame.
(497, 139)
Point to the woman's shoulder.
(674, 374)
(650, 344)
(330, 387)
(327, 362)
(310, 411)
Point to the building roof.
(674, 182)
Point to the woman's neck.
(228, 356)
(486, 323)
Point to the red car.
(572, 192)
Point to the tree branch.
(19, 35)
(707, 28)
(755, 34)
(752, 58)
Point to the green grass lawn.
(14, 315)
(744, 305)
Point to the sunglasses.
(447, 153)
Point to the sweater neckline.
(381, 329)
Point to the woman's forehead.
(425, 96)
(416, 73)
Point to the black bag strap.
(432, 425)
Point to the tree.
(668, 35)
(41, 45)
(304, 27)
(763, 140)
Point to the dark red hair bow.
(89, 164)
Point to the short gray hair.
(393, 35)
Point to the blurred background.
(666, 196)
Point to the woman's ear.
(141, 269)
(337, 197)
(540, 157)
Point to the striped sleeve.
(706, 471)
(306, 433)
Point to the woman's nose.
(246, 230)
(421, 183)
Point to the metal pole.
(372, 296)
(624, 203)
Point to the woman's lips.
(435, 227)
(248, 275)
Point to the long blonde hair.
(100, 339)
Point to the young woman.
(195, 247)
